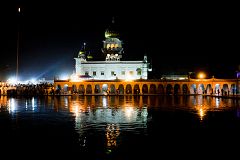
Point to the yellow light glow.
(77, 108)
(75, 78)
(76, 111)
(112, 133)
(129, 111)
(201, 111)
(201, 75)
(129, 78)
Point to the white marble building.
(112, 68)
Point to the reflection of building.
(112, 133)
(113, 67)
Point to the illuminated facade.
(113, 67)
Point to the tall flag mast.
(18, 37)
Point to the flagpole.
(18, 37)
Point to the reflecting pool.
(119, 127)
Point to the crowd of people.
(27, 89)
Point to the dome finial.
(113, 20)
(111, 31)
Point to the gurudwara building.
(112, 67)
(114, 76)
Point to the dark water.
(119, 127)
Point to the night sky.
(178, 38)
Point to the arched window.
(139, 71)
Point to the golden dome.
(111, 31)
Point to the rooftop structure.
(112, 67)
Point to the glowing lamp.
(201, 75)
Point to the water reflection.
(112, 133)
(12, 105)
(109, 114)
(111, 118)
(115, 111)
(124, 108)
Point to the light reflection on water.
(108, 114)
(111, 120)
(117, 109)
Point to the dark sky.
(177, 37)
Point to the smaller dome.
(81, 52)
(90, 57)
